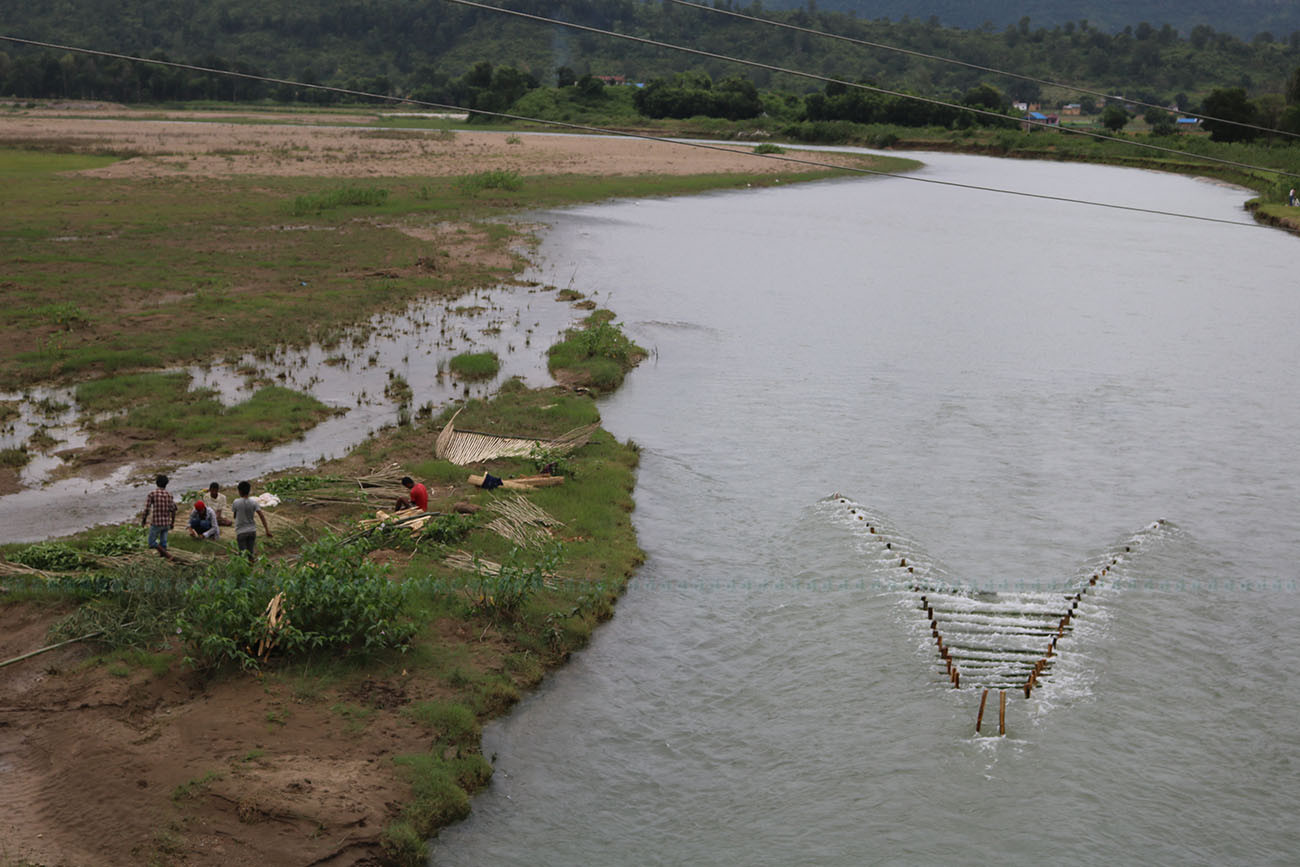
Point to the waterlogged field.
(147, 245)
(139, 256)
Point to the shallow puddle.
(353, 373)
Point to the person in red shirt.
(419, 496)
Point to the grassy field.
(106, 276)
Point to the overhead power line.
(829, 80)
(954, 61)
(730, 149)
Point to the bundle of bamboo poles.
(382, 484)
(16, 569)
(409, 519)
(103, 561)
(471, 447)
(522, 521)
(276, 620)
(468, 562)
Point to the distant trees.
(1159, 121)
(691, 94)
(1114, 117)
(1225, 110)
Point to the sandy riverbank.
(202, 145)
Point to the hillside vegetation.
(425, 50)
(1244, 18)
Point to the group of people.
(210, 515)
(207, 517)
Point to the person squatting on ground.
(203, 522)
(244, 509)
(217, 502)
(160, 515)
(419, 496)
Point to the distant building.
(1036, 120)
(612, 80)
(1072, 109)
(1187, 124)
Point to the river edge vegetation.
(413, 637)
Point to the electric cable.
(730, 149)
(829, 80)
(954, 61)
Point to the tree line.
(436, 52)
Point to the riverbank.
(146, 746)
(146, 247)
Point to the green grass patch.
(493, 179)
(475, 365)
(162, 406)
(597, 356)
(343, 197)
(15, 457)
(440, 788)
(118, 392)
(519, 411)
(104, 277)
(29, 163)
(452, 722)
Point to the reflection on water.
(351, 373)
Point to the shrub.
(334, 599)
(768, 148)
(54, 556)
(502, 593)
(296, 484)
(118, 541)
(448, 529)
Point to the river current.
(1015, 391)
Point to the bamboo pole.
(979, 717)
(1002, 712)
(48, 648)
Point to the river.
(1011, 391)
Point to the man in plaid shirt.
(160, 515)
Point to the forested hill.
(420, 48)
(1245, 19)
